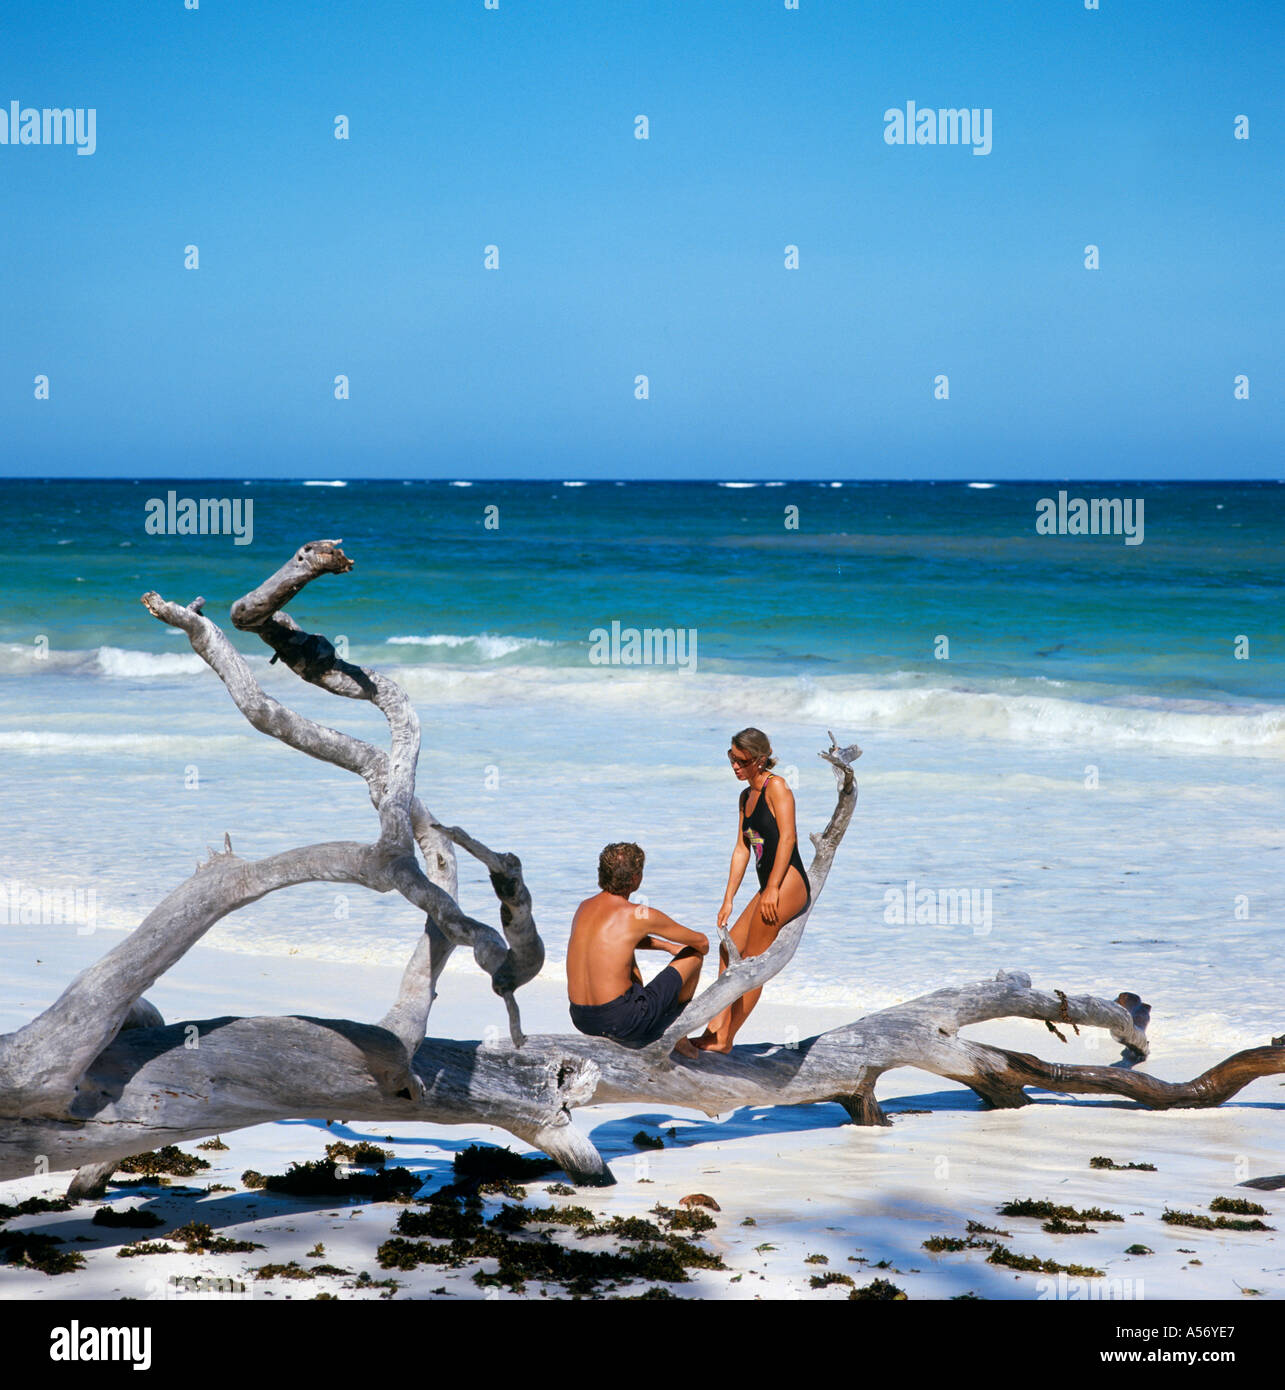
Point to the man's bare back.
(604, 985)
(605, 932)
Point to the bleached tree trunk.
(149, 1088)
(98, 1076)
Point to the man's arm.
(664, 934)
(658, 943)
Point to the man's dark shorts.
(638, 1016)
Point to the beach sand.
(792, 1182)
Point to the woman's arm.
(740, 858)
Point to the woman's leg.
(716, 1029)
(752, 936)
(739, 933)
(720, 1021)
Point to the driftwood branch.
(98, 1076)
(42, 1064)
(147, 1087)
(510, 960)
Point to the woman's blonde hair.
(757, 744)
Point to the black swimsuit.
(763, 835)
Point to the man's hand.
(658, 943)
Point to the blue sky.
(515, 127)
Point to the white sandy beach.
(811, 1184)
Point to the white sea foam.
(1031, 709)
(940, 710)
(17, 658)
(488, 645)
(117, 662)
(122, 663)
(324, 482)
(55, 741)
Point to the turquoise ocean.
(1087, 735)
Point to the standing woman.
(765, 825)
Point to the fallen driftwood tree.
(99, 1076)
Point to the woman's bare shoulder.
(778, 792)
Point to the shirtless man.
(608, 998)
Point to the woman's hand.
(725, 912)
(767, 905)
